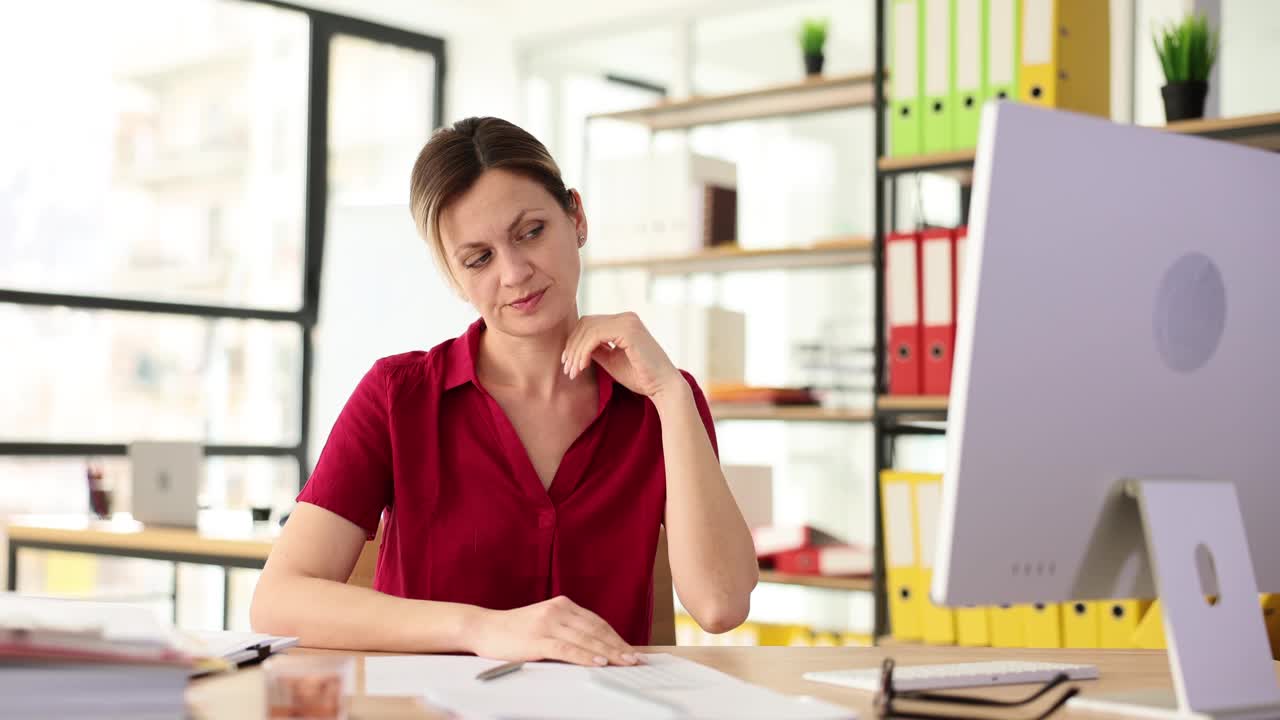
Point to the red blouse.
(466, 517)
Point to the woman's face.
(514, 253)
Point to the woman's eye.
(478, 260)
(533, 233)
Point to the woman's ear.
(579, 215)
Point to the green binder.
(969, 68)
(935, 58)
(904, 76)
(1004, 48)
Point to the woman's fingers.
(555, 648)
(594, 626)
(571, 345)
(598, 645)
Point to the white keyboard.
(959, 675)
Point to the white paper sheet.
(540, 691)
(226, 644)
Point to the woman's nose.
(515, 266)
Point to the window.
(165, 179)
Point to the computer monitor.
(166, 482)
(1115, 387)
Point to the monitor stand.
(1218, 650)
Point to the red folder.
(937, 274)
(825, 560)
(902, 313)
(770, 540)
(962, 241)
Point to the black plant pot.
(1184, 101)
(813, 63)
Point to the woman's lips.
(530, 303)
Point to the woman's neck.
(528, 365)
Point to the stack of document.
(236, 648)
(665, 687)
(69, 659)
(72, 659)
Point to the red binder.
(902, 312)
(962, 242)
(846, 560)
(937, 274)
(771, 540)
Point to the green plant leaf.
(1187, 49)
(813, 35)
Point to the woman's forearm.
(329, 614)
(713, 559)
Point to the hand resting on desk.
(555, 629)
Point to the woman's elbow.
(265, 614)
(724, 616)
(726, 612)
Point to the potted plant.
(813, 36)
(1187, 51)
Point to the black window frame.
(324, 27)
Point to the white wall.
(480, 56)
(1249, 56)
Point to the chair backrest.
(367, 563)
(662, 629)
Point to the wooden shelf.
(958, 163)
(914, 413)
(819, 94)
(855, 584)
(1260, 131)
(797, 413)
(842, 251)
(914, 403)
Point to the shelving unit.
(796, 413)
(905, 415)
(1258, 131)
(731, 258)
(856, 584)
(808, 96)
(892, 416)
(813, 95)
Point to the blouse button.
(546, 519)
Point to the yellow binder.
(1009, 626)
(826, 639)
(1080, 624)
(900, 555)
(1271, 618)
(938, 625)
(856, 639)
(1066, 57)
(1117, 621)
(973, 626)
(775, 634)
(1044, 626)
(1150, 632)
(72, 574)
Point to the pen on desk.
(500, 670)
(262, 650)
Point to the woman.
(522, 470)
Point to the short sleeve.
(353, 477)
(704, 411)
